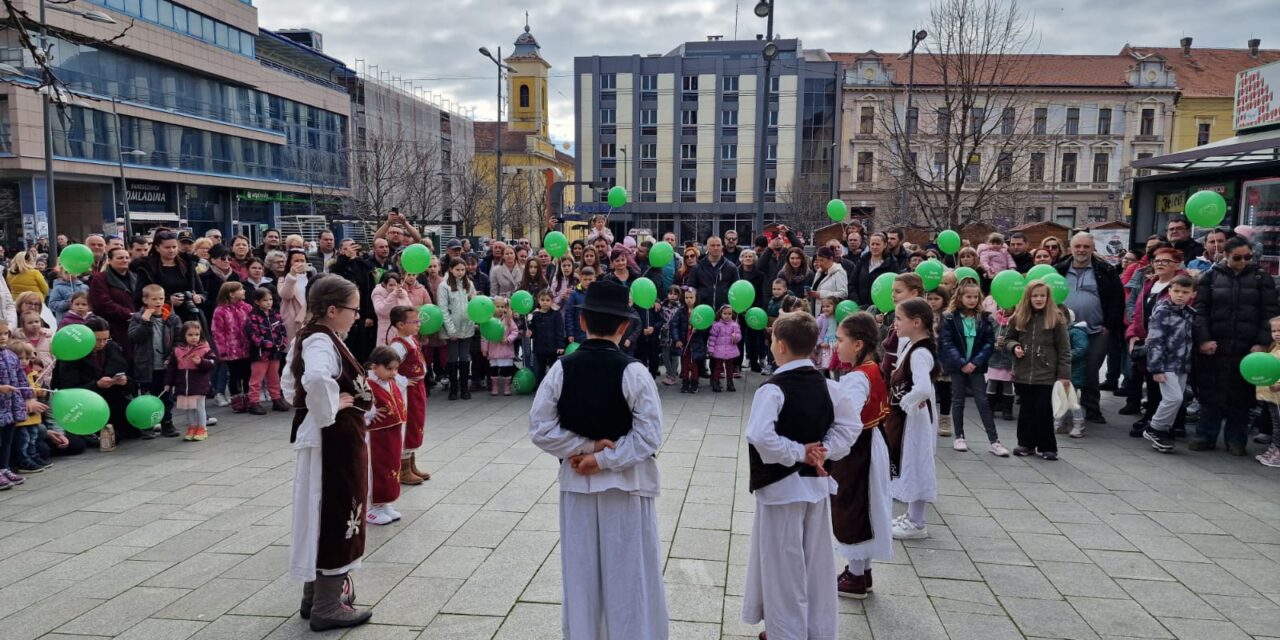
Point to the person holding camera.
(166, 267)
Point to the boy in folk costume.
(404, 326)
(386, 434)
(606, 434)
(794, 428)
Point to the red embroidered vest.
(411, 366)
(877, 405)
(391, 406)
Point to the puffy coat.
(1079, 335)
(140, 335)
(228, 332)
(383, 302)
(267, 336)
(454, 306)
(994, 259)
(59, 300)
(1144, 305)
(1047, 352)
(506, 349)
(548, 331)
(832, 284)
(111, 296)
(712, 281)
(722, 344)
(1169, 340)
(1233, 310)
(29, 280)
(952, 345)
(293, 302)
(572, 309)
(193, 381)
(694, 342)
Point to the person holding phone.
(105, 372)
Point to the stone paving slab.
(173, 540)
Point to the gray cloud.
(436, 41)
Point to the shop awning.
(1263, 146)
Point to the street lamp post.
(497, 206)
(764, 9)
(626, 177)
(916, 38)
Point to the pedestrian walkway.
(174, 540)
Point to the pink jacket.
(994, 260)
(293, 303)
(229, 321)
(383, 303)
(723, 343)
(505, 349)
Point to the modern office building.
(215, 122)
(682, 133)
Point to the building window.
(1104, 122)
(728, 189)
(689, 117)
(1037, 167)
(5, 140)
(1068, 167)
(913, 120)
(690, 83)
(1148, 126)
(1143, 172)
(649, 82)
(1008, 117)
(865, 161)
(773, 118)
(729, 84)
(1073, 121)
(688, 189)
(524, 96)
(1098, 214)
(729, 118)
(1004, 166)
(1040, 122)
(689, 156)
(913, 161)
(1065, 216)
(1034, 214)
(939, 163)
(608, 151)
(867, 120)
(771, 185)
(973, 169)
(1100, 166)
(648, 122)
(1202, 133)
(944, 121)
(775, 84)
(977, 120)
(771, 152)
(648, 186)
(728, 152)
(608, 81)
(649, 151)
(608, 116)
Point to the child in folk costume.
(327, 386)
(606, 433)
(861, 510)
(386, 434)
(911, 428)
(404, 326)
(793, 429)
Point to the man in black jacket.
(1021, 252)
(349, 265)
(1097, 299)
(714, 274)
(1178, 230)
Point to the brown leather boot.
(328, 611)
(279, 404)
(407, 476)
(413, 466)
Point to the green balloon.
(524, 381)
(415, 259)
(493, 330)
(145, 412)
(1040, 271)
(1206, 208)
(741, 296)
(757, 318)
(76, 259)
(1057, 287)
(702, 317)
(644, 293)
(837, 210)
(80, 411)
(72, 342)
(949, 242)
(480, 309)
(571, 347)
(522, 302)
(970, 273)
(1260, 369)
(845, 308)
(661, 254)
(431, 319)
(617, 197)
(1007, 287)
(930, 271)
(882, 291)
(555, 243)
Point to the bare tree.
(471, 186)
(970, 162)
(805, 204)
(378, 173)
(526, 208)
(422, 189)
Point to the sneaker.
(107, 439)
(944, 425)
(201, 434)
(1077, 430)
(190, 435)
(147, 434)
(1237, 450)
(851, 586)
(389, 510)
(1262, 438)
(13, 478)
(211, 422)
(1271, 458)
(907, 530)
(668, 381)
(168, 431)
(998, 449)
(1049, 455)
(221, 400)
(1130, 409)
(1135, 431)
(1160, 440)
(959, 445)
(377, 516)
(1024, 451)
(29, 467)
(5, 485)
(1062, 428)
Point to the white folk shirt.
(630, 466)
(775, 449)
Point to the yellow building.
(530, 161)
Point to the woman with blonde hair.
(22, 276)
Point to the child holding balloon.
(691, 342)
(455, 292)
(502, 353)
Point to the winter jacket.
(1235, 309)
(454, 306)
(505, 350)
(60, 295)
(712, 281)
(650, 318)
(1169, 340)
(665, 316)
(692, 341)
(85, 372)
(994, 259)
(504, 280)
(359, 272)
(1144, 306)
(187, 378)
(183, 280)
(141, 335)
(1079, 335)
(265, 283)
(632, 337)
(29, 280)
(865, 276)
(228, 332)
(758, 282)
(548, 331)
(383, 302)
(212, 282)
(70, 317)
(293, 302)
(572, 310)
(952, 344)
(834, 283)
(480, 281)
(13, 407)
(111, 296)
(266, 335)
(722, 343)
(1110, 291)
(1046, 352)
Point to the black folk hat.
(609, 298)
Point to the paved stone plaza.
(173, 540)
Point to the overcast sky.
(422, 39)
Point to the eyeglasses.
(1162, 261)
(1244, 258)
(354, 310)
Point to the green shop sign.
(278, 196)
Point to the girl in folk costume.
(331, 475)
(861, 510)
(404, 323)
(386, 434)
(911, 428)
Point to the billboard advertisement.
(1257, 99)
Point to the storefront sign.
(1257, 99)
(1171, 202)
(151, 194)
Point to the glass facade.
(176, 17)
(818, 133)
(5, 141)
